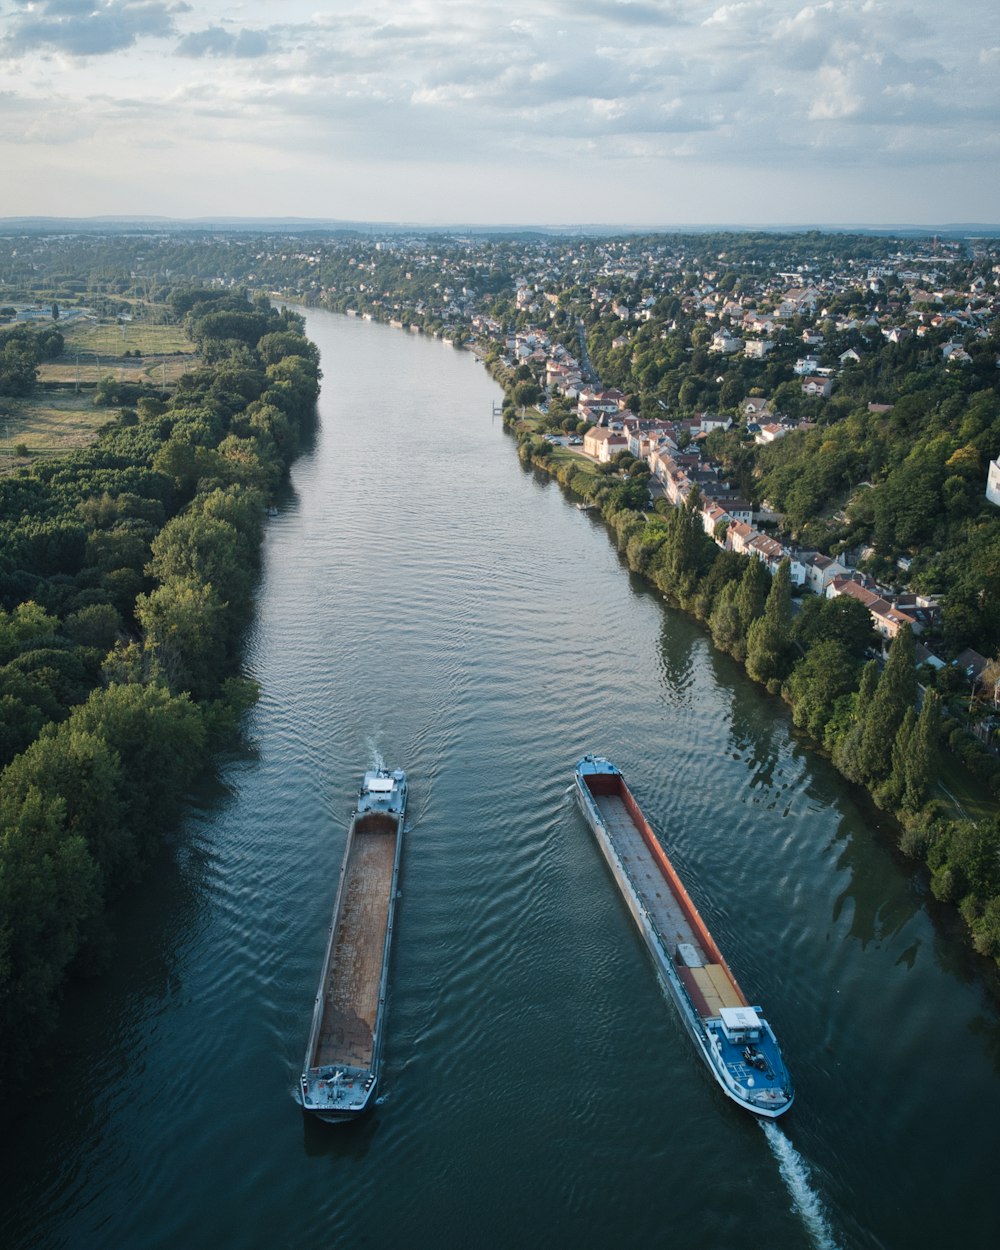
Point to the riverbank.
(865, 721)
(127, 589)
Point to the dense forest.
(127, 572)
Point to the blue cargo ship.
(733, 1038)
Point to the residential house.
(993, 482)
(757, 349)
(740, 533)
(725, 343)
(754, 408)
(603, 444)
(770, 432)
(709, 422)
(888, 614)
(821, 570)
(771, 552)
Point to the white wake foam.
(796, 1174)
(374, 754)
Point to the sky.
(557, 112)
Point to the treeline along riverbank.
(866, 716)
(127, 572)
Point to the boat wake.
(371, 742)
(796, 1174)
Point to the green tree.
(889, 793)
(687, 551)
(27, 626)
(725, 622)
(844, 733)
(159, 739)
(923, 755)
(84, 773)
(769, 636)
(48, 890)
(841, 619)
(895, 693)
(826, 674)
(752, 594)
(185, 628)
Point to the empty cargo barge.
(732, 1037)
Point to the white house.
(993, 483)
(725, 343)
(821, 570)
(768, 433)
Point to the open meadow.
(131, 352)
(60, 415)
(48, 423)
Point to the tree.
(889, 793)
(686, 552)
(895, 693)
(923, 755)
(818, 681)
(159, 739)
(27, 626)
(844, 741)
(841, 619)
(48, 890)
(84, 773)
(752, 593)
(185, 629)
(769, 636)
(725, 622)
(18, 372)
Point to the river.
(428, 602)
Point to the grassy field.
(107, 338)
(51, 422)
(96, 350)
(160, 370)
(47, 424)
(966, 796)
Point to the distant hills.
(313, 225)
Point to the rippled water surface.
(428, 602)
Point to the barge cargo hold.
(342, 1061)
(733, 1038)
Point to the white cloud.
(581, 86)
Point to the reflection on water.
(678, 649)
(873, 916)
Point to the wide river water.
(428, 602)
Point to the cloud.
(85, 28)
(217, 41)
(626, 12)
(573, 88)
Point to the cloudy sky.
(647, 112)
